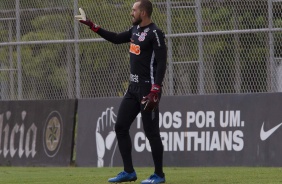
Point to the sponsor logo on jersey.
(146, 30)
(134, 78)
(134, 49)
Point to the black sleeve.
(116, 38)
(160, 51)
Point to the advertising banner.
(200, 130)
(36, 133)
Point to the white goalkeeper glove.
(84, 20)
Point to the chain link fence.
(214, 46)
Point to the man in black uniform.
(147, 70)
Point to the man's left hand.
(151, 101)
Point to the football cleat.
(124, 177)
(154, 179)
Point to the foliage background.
(50, 69)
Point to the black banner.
(202, 130)
(36, 133)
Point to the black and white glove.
(84, 20)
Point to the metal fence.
(214, 46)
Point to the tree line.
(48, 70)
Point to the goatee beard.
(137, 22)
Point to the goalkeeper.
(147, 69)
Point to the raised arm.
(116, 38)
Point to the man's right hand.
(84, 20)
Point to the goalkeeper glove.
(84, 20)
(151, 101)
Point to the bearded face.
(136, 20)
(136, 14)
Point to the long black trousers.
(128, 110)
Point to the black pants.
(128, 110)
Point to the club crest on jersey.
(134, 49)
(142, 37)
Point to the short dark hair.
(146, 5)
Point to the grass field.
(174, 175)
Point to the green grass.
(174, 175)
